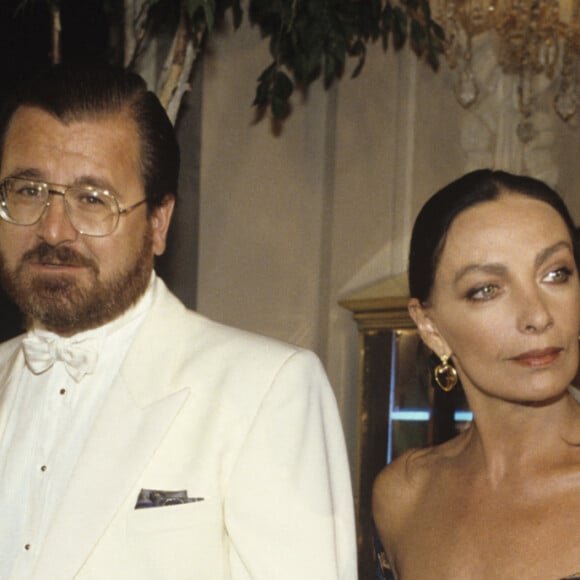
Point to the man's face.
(67, 281)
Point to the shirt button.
(43, 468)
(62, 392)
(27, 547)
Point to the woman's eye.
(481, 293)
(558, 276)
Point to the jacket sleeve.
(289, 505)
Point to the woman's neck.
(513, 440)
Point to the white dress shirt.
(50, 416)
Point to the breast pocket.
(180, 542)
(175, 517)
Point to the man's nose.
(55, 226)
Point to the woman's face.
(506, 300)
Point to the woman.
(493, 275)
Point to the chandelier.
(534, 37)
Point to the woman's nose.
(535, 315)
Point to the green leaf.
(268, 73)
(263, 89)
(262, 96)
(399, 27)
(418, 37)
(280, 108)
(437, 31)
(238, 13)
(360, 51)
(207, 7)
(426, 9)
(357, 48)
(282, 86)
(386, 24)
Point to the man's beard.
(60, 303)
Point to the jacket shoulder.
(203, 336)
(187, 348)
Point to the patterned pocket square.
(149, 498)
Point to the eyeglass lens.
(91, 211)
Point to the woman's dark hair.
(73, 93)
(437, 215)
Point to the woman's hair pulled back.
(435, 218)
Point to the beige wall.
(290, 224)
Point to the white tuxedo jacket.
(246, 423)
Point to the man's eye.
(482, 293)
(89, 199)
(92, 200)
(30, 192)
(558, 276)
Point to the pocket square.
(149, 498)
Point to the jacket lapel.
(136, 415)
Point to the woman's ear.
(427, 328)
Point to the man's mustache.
(58, 255)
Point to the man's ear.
(427, 328)
(160, 219)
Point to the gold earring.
(445, 374)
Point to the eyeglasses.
(91, 211)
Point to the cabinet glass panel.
(414, 406)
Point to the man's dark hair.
(74, 93)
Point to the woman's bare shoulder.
(401, 479)
(398, 486)
(402, 485)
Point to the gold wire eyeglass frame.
(48, 189)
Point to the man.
(138, 439)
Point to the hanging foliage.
(309, 39)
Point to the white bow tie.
(78, 356)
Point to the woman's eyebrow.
(499, 269)
(546, 253)
(488, 268)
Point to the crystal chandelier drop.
(534, 37)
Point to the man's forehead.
(39, 145)
(33, 126)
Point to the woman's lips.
(538, 358)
